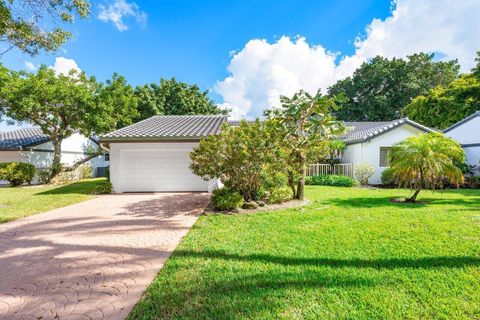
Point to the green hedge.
(17, 173)
(225, 199)
(330, 180)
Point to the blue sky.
(248, 52)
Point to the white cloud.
(118, 10)
(63, 65)
(30, 66)
(262, 71)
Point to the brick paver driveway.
(91, 260)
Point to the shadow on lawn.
(81, 187)
(393, 263)
(376, 202)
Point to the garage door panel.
(159, 170)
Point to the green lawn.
(20, 202)
(351, 254)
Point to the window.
(107, 156)
(384, 153)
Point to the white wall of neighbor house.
(468, 134)
(369, 151)
(154, 167)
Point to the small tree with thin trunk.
(423, 161)
(303, 124)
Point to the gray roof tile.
(362, 131)
(22, 138)
(169, 127)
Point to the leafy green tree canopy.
(32, 25)
(381, 88)
(302, 125)
(62, 105)
(171, 97)
(423, 160)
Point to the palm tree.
(426, 159)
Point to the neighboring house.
(153, 154)
(467, 133)
(370, 142)
(30, 145)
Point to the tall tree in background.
(32, 25)
(302, 125)
(381, 88)
(443, 106)
(61, 105)
(172, 97)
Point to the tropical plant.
(381, 88)
(302, 126)
(238, 156)
(423, 160)
(33, 25)
(363, 172)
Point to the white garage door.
(157, 167)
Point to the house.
(467, 133)
(153, 154)
(370, 142)
(31, 145)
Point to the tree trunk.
(80, 162)
(57, 157)
(301, 185)
(413, 198)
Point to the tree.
(32, 25)
(381, 88)
(443, 106)
(238, 156)
(476, 69)
(62, 105)
(116, 106)
(302, 125)
(423, 160)
(171, 97)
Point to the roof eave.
(149, 139)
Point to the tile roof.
(470, 117)
(22, 138)
(363, 131)
(189, 127)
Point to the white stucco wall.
(468, 134)
(369, 151)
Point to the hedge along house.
(31, 145)
(467, 133)
(153, 155)
(370, 142)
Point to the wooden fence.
(320, 169)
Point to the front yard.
(20, 202)
(350, 254)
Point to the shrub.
(65, 177)
(472, 182)
(281, 194)
(103, 187)
(330, 180)
(17, 173)
(363, 172)
(44, 175)
(388, 178)
(86, 171)
(226, 199)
